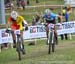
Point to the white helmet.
(47, 11)
(14, 15)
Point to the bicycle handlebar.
(15, 31)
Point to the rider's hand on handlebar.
(25, 27)
(7, 30)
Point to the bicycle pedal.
(14, 46)
(23, 52)
(18, 50)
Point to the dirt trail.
(65, 45)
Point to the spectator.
(66, 16)
(23, 4)
(6, 1)
(28, 2)
(66, 20)
(68, 8)
(37, 1)
(9, 4)
(37, 17)
(12, 6)
(59, 20)
(18, 3)
(63, 11)
(33, 22)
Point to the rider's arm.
(25, 22)
(56, 15)
(44, 17)
(8, 23)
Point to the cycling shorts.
(50, 21)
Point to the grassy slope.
(38, 54)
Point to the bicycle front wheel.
(19, 50)
(49, 41)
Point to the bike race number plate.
(17, 32)
(50, 26)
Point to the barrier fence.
(39, 31)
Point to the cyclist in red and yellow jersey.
(16, 22)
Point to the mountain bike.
(51, 38)
(19, 44)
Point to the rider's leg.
(23, 51)
(47, 31)
(56, 37)
(53, 47)
(22, 39)
(14, 40)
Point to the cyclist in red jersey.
(15, 22)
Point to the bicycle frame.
(19, 42)
(51, 32)
(51, 37)
(20, 45)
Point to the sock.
(14, 41)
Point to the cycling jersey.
(50, 18)
(19, 21)
(16, 24)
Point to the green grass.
(32, 2)
(38, 54)
(29, 17)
